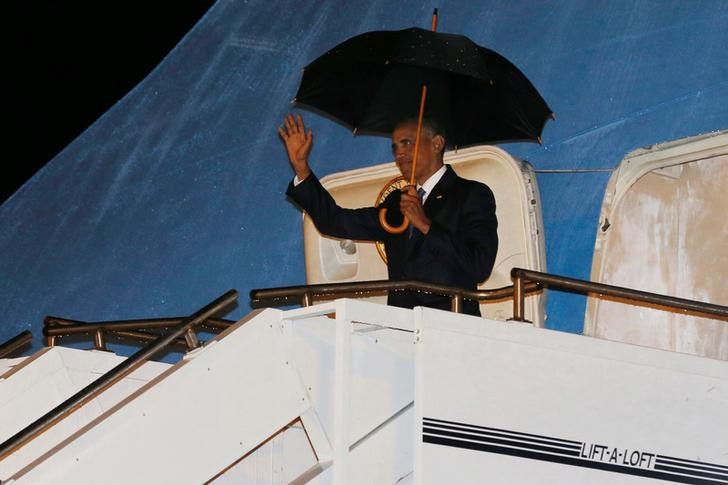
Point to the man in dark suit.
(453, 235)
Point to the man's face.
(403, 148)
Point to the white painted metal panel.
(280, 460)
(356, 360)
(7, 365)
(518, 404)
(41, 382)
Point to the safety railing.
(524, 278)
(304, 295)
(134, 331)
(526, 282)
(114, 375)
(20, 341)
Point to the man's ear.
(438, 143)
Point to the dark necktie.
(421, 192)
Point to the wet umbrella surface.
(373, 80)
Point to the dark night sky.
(67, 62)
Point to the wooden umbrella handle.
(389, 228)
(383, 211)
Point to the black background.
(68, 62)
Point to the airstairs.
(350, 391)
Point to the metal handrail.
(136, 330)
(114, 375)
(525, 282)
(522, 277)
(16, 343)
(147, 323)
(304, 294)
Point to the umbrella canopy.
(374, 80)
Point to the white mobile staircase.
(356, 392)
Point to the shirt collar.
(432, 181)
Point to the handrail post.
(191, 339)
(306, 300)
(456, 303)
(99, 340)
(518, 295)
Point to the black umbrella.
(377, 79)
(373, 80)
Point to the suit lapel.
(441, 193)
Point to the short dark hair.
(431, 124)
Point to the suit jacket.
(459, 249)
